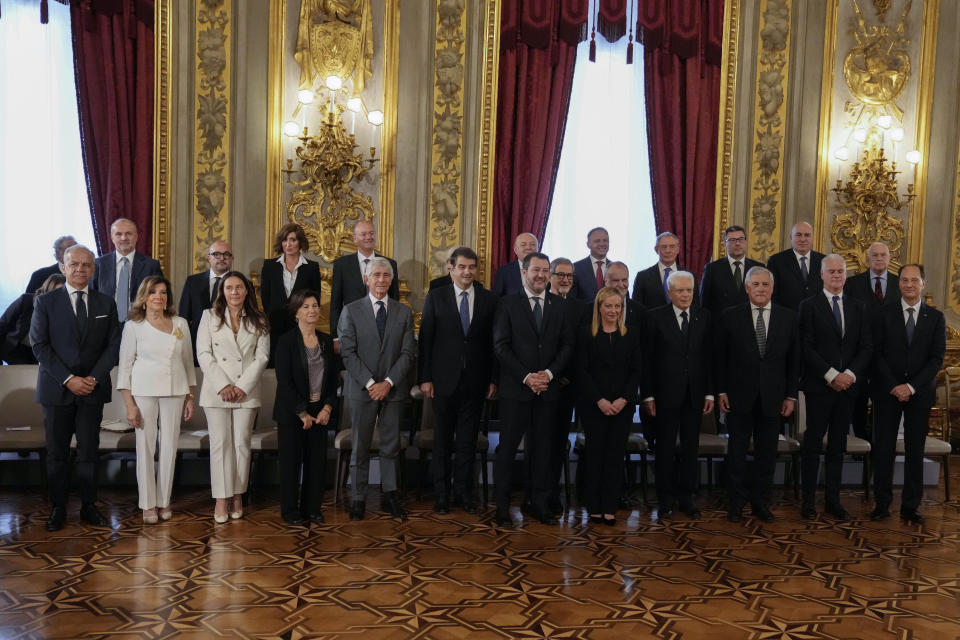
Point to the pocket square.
(98, 317)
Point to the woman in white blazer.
(233, 347)
(157, 381)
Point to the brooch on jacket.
(178, 333)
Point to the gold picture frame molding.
(161, 133)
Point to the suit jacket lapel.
(824, 309)
(109, 276)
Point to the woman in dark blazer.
(608, 375)
(15, 324)
(308, 372)
(281, 276)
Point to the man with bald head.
(201, 289)
(120, 272)
(508, 280)
(76, 339)
(796, 270)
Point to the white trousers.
(229, 431)
(163, 414)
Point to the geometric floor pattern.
(455, 576)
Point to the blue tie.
(123, 290)
(666, 274)
(911, 325)
(836, 313)
(381, 318)
(464, 312)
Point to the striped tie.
(761, 332)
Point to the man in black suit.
(508, 280)
(457, 370)
(349, 272)
(589, 274)
(650, 285)
(722, 284)
(757, 365)
(618, 277)
(533, 344)
(678, 389)
(836, 343)
(76, 339)
(200, 289)
(796, 270)
(38, 277)
(120, 272)
(874, 287)
(909, 346)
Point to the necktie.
(464, 312)
(684, 324)
(803, 268)
(761, 330)
(599, 275)
(836, 313)
(366, 265)
(215, 291)
(381, 318)
(737, 275)
(666, 274)
(911, 325)
(123, 290)
(81, 313)
(878, 290)
(537, 312)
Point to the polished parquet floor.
(455, 576)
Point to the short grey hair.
(759, 269)
(76, 247)
(676, 275)
(832, 257)
(60, 246)
(665, 234)
(557, 262)
(380, 262)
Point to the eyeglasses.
(734, 239)
(220, 255)
(564, 276)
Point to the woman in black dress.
(608, 375)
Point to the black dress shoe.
(441, 506)
(503, 518)
(761, 512)
(391, 504)
(734, 516)
(358, 509)
(912, 516)
(469, 505)
(90, 515)
(527, 508)
(316, 518)
(879, 513)
(808, 511)
(664, 514)
(837, 511)
(58, 516)
(294, 520)
(555, 506)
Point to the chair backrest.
(17, 385)
(268, 397)
(951, 383)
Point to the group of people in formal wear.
(550, 341)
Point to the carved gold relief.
(767, 175)
(161, 134)
(877, 69)
(211, 172)
(954, 289)
(488, 136)
(728, 93)
(335, 37)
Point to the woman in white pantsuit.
(233, 347)
(157, 380)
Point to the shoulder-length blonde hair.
(138, 310)
(602, 295)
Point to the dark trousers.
(765, 431)
(559, 439)
(60, 424)
(827, 413)
(457, 422)
(535, 419)
(671, 423)
(303, 465)
(605, 448)
(858, 416)
(887, 422)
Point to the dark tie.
(911, 325)
(684, 324)
(599, 275)
(878, 290)
(123, 290)
(81, 313)
(737, 275)
(803, 268)
(761, 330)
(464, 312)
(381, 318)
(215, 291)
(666, 274)
(537, 312)
(837, 315)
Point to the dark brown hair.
(287, 229)
(298, 297)
(138, 310)
(250, 314)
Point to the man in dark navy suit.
(722, 284)
(650, 284)
(508, 280)
(909, 346)
(457, 370)
(38, 277)
(589, 274)
(836, 343)
(201, 289)
(120, 272)
(76, 339)
(796, 270)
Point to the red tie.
(599, 275)
(878, 290)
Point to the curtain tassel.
(44, 12)
(593, 50)
(630, 52)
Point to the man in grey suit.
(378, 351)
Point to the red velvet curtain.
(113, 59)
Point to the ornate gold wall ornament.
(488, 136)
(335, 37)
(211, 220)
(877, 69)
(881, 6)
(446, 172)
(953, 293)
(161, 134)
(728, 93)
(767, 174)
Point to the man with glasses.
(201, 289)
(722, 283)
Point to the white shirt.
(799, 255)
(673, 268)
(542, 297)
(214, 276)
(386, 307)
(364, 266)
(119, 258)
(831, 372)
(603, 262)
(71, 291)
(743, 266)
(289, 279)
(470, 297)
(767, 311)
